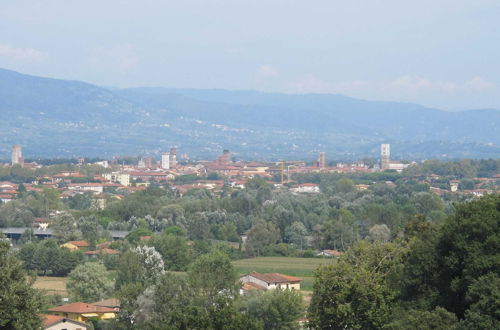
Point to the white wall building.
(121, 178)
(165, 160)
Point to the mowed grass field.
(299, 267)
(51, 285)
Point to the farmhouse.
(270, 281)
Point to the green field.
(300, 267)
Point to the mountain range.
(61, 118)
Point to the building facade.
(385, 154)
(165, 160)
(17, 155)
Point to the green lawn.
(300, 267)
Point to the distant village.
(118, 180)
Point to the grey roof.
(50, 232)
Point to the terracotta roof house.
(76, 245)
(269, 281)
(54, 322)
(81, 312)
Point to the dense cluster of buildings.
(118, 180)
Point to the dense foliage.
(443, 276)
(19, 303)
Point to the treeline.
(432, 277)
(276, 221)
(466, 168)
(334, 219)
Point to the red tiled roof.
(275, 277)
(49, 320)
(80, 308)
(80, 243)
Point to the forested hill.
(52, 117)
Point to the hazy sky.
(443, 53)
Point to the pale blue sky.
(442, 53)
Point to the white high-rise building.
(165, 160)
(17, 154)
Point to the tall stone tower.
(322, 160)
(17, 155)
(385, 154)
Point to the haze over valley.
(61, 118)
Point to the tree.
(52, 198)
(89, 282)
(174, 250)
(356, 292)
(339, 233)
(65, 227)
(197, 226)
(344, 185)
(483, 297)
(20, 304)
(296, 233)
(173, 214)
(169, 304)
(128, 295)
(213, 274)
(80, 201)
(151, 262)
(91, 230)
(129, 270)
(261, 234)
(273, 309)
(379, 233)
(172, 303)
(46, 256)
(438, 318)
(66, 261)
(456, 266)
(467, 249)
(135, 234)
